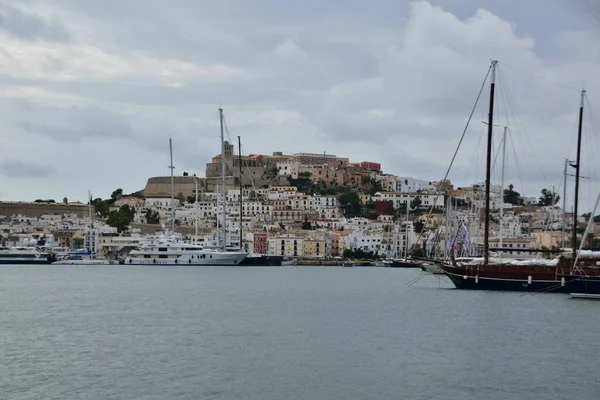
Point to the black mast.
(486, 256)
(241, 189)
(577, 164)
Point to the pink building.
(260, 243)
(277, 204)
(371, 165)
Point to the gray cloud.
(24, 169)
(74, 123)
(31, 26)
(392, 83)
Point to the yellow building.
(314, 248)
(327, 174)
(432, 221)
(388, 183)
(551, 239)
(71, 238)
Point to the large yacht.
(25, 255)
(169, 251)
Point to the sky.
(91, 91)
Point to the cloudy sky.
(91, 91)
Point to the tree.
(129, 211)
(415, 203)
(119, 219)
(350, 203)
(373, 186)
(419, 227)
(400, 210)
(101, 207)
(463, 202)
(44, 201)
(511, 196)
(306, 225)
(180, 198)
(152, 217)
(420, 252)
(116, 195)
(185, 173)
(548, 198)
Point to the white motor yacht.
(167, 251)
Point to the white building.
(288, 168)
(364, 242)
(282, 192)
(398, 199)
(286, 245)
(300, 202)
(257, 209)
(161, 203)
(412, 185)
(321, 202)
(356, 223)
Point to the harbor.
(339, 200)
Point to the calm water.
(161, 333)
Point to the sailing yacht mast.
(406, 234)
(486, 255)
(196, 222)
(577, 169)
(91, 225)
(223, 202)
(241, 189)
(172, 167)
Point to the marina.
(339, 200)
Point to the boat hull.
(403, 264)
(536, 278)
(82, 262)
(26, 262)
(209, 259)
(262, 261)
(503, 284)
(583, 284)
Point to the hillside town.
(304, 205)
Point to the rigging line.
(517, 167)
(512, 110)
(439, 191)
(589, 158)
(512, 141)
(474, 161)
(249, 174)
(592, 122)
(543, 78)
(528, 142)
(226, 128)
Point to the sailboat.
(271, 260)
(84, 257)
(583, 279)
(511, 275)
(168, 250)
(404, 262)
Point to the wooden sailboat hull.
(506, 278)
